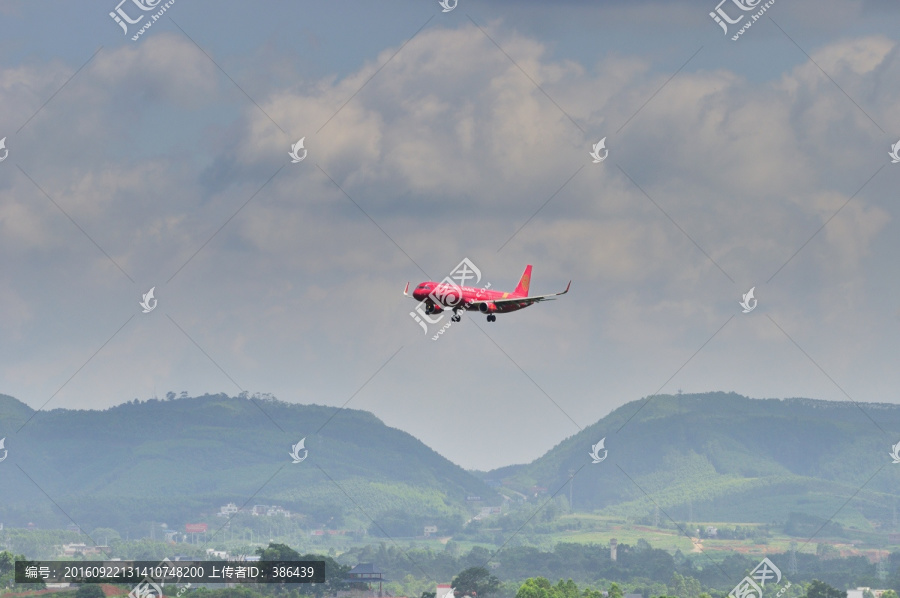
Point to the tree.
(615, 591)
(90, 591)
(106, 534)
(536, 587)
(820, 589)
(476, 581)
(452, 548)
(478, 554)
(335, 576)
(7, 563)
(677, 586)
(8, 571)
(278, 552)
(335, 573)
(566, 589)
(889, 594)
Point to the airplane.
(439, 296)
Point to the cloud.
(445, 150)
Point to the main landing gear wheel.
(492, 318)
(456, 317)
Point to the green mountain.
(722, 457)
(179, 459)
(713, 457)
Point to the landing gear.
(492, 318)
(456, 317)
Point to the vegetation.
(711, 457)
(540, 587)
(762, 473)
(819, 589)
(639, 568)
(591, 574)
(8, 572)
(335, 573)
(723, 457)
(114, 478)
(475, 581)
(90, 591)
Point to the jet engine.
(488, 307)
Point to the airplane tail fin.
(524, 283)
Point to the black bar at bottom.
(155, 573)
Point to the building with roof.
(366, 575)
(73, 549)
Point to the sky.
(431, 137)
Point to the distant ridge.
(724, 457)
(711, 457)
(173, 460)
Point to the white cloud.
(450, 148)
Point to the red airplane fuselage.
(444, 295)
(439, 296)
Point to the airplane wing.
(534, 299)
